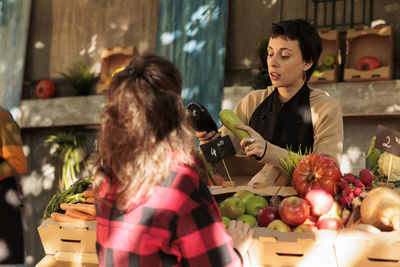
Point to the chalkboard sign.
(388, 140)
(216, 150)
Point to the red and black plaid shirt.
(179, 225)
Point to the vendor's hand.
(255, 145)
(205, 137)
(241, 234)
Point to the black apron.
(288, 125)
(10, 223)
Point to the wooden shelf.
(62, 111)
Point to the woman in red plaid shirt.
(152, 207)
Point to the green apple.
(226, 221)
(244, 195)
(305, 228)
(247, 218)
(279, 225)
(329, 61)
(232, 207)
(254, 204)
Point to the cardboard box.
(68, 237)
(113, 59)
(376, 42)
(247, 170)
(67, 259)
(330, 47)
(364, 245)
(273, 248)
(359, 247)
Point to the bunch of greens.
(72, 195)
(288, 164)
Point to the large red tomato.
(316, 171)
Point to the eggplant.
(201, 118)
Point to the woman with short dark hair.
(289, 114)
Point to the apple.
(294, 210)
(329, 223)
(254, 204)
(226, 221)
(320, 201)
(232, 207)
(311, 220)
(279, 225)
(244, 195)
(247, 218)
(345, 216)
(335, 211)
(267, 215)
(305, 228)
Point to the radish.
(357, 191)
(358, 183)
(366, 177)
(349, 177)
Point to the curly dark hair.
(143, 129)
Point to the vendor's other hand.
(205, 137)
(241, 234)
(253, 146)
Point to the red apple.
(320, 201)
(329, 223)
(267, 215)
(294, 210)
(279, 225)
(305, 228)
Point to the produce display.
(76, 204)
(318, 210)
(325, 198)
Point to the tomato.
(316, 171)
(368, 63)
(45, 89)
